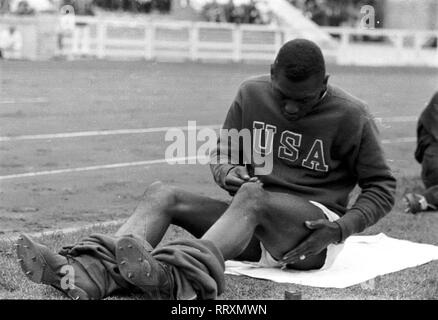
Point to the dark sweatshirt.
(320, 157)
(427, 129)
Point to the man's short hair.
(300, 59)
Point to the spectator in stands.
(163, 6)
(214, 12)
(426, 153)
(82, 7)
(334, 12)
(144, 6)
(24, 8)
(317, 12)
(4, 6)
(251, 13)
(11, 43)
(265, 12)
(229, 12)
(239, 14)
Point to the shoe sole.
(34, 265)
(134, 263)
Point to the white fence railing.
(385, 47)
(211, 41)
(186, 40)
(173, 40)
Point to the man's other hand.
(324, 233)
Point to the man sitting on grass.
(426, 154)
(321, 142)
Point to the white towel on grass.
(363, 258)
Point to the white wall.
(411, 14)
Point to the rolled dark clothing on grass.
(96, 253)
(199, 266)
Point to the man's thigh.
(197, 213)
(282, 225)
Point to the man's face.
(297, 98)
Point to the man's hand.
(236, 177)
(324, 233)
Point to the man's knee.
(161, 193)
(251, 197)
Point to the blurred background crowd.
(336, 13)
(322, 12)
(85, 7)
(250, 12)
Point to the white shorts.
(333, 250)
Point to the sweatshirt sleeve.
(220, 157)
(376, 181)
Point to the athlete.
(321, 142)
(426, 154)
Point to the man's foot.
(41, 265)
(414, 203)
(141, 269)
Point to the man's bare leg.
(276, 219)
(163, 205)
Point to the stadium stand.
(160, 37)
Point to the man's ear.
(272, 72)
(326, 78)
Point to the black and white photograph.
(226, 152)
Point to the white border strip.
(100, 167)
(25, 100)
(150, 130)
(100, 133)
(144, 163)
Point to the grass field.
(61, 97)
